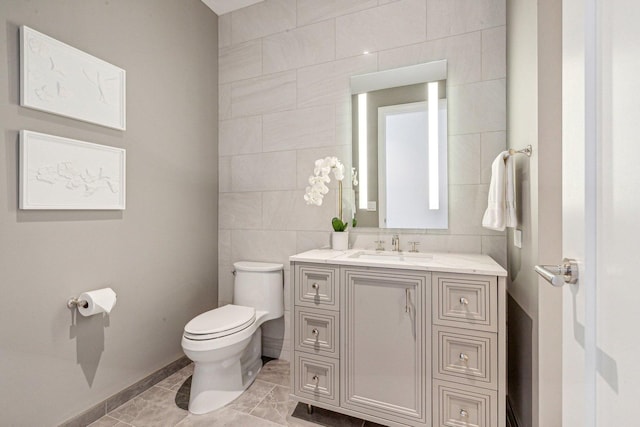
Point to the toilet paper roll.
(98, 301)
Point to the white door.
(601, 212)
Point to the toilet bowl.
(225, 343)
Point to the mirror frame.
(397, 77)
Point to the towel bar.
(526, 150)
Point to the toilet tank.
(259, 285)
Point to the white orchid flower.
(313, 197)
(338, 171)
(315, 179)
(319, 165)
(314, 194)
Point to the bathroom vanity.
(400, 338)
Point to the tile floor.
(265, 404)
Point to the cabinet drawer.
(465, 301)
(316, 331)
(315, 286)
(316, 378)
(457, 406)
(466, 357)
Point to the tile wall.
(284, 102)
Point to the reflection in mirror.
(400, 147)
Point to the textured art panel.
(63, 80)
(63, 173)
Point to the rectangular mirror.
(400, 147)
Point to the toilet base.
(215, 384)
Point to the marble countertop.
(431, 261)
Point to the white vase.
(340, 240)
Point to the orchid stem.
(340, 200)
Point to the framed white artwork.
(63, 173)
(60, 79)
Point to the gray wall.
(534, 101)
(159, 254)
(285, 102)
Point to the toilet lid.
(257, 266)
(220, 322)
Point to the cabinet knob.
(315, 286)
(315, 332)
(463, 413)
(464, 301)
(316, 379)
(464, 357)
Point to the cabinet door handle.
(463, 413)
(407, 304)
(315, 286)
(464, 357)
(316, 379)
(315, 332)
(464, 301)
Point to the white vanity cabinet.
(468, 370)
(400, 343)
(315, 367)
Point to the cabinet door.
(385, 352)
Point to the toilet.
(225, 344)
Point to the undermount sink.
(391, 256)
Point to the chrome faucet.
(395, 243)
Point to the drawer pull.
(464, 357)
(463, 413)
(315, 286)
(315, 332)
(464, 301)
(316, 379)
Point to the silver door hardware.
(558, 275)
(407, 304)
(395, 242)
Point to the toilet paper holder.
(75, 302)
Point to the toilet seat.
(220, 322)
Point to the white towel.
(501, 203)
